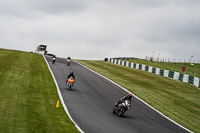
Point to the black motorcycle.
(53, 60)
(121, 108)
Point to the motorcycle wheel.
(70, 86)
(121, 112)
(114, 112)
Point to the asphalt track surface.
(92, 98)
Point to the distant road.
(91, 100)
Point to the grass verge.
(177, 100)
(28, 96)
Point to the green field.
(28, 96)
(177, 100)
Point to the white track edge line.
(137, 98)
(61, 98)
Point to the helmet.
(130, 95)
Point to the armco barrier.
(166, 73)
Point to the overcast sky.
(95, 29)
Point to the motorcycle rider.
(70, 75)
(123, 99)
(68, 58)
(53, 58)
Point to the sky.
(98, 29)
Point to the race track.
(91, 100)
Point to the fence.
(166, 73)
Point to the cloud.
(97, 29)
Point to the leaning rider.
(123, 99)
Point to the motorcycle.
(68, 61)
(53, 60)
(121, 108)
(70, 83)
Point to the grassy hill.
(177, 100)
(28, 96)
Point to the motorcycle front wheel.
(114, 112)
(70, 86)
(121, 112)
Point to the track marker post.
(57, 105)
